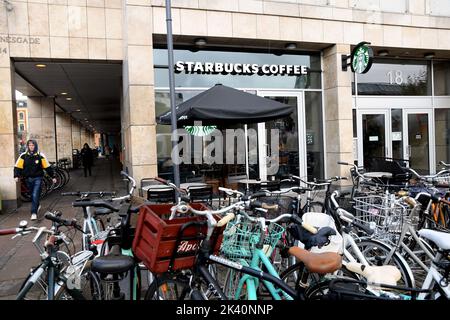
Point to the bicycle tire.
(379, 249)
(158, 289)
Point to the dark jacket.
(87, 157)
(32, 165)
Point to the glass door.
(283, 141)
(373, 126)
(417, 133)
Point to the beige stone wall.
(8, 133)
(338, 22)
(338, 111)
(76, 135)
(64, 135)
(41, 124)
(76, 29)
(138, 119)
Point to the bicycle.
(59, 275)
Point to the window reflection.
(395, 78)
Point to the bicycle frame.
(252, 283)
(434, 277)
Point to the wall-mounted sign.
(18, 39)
(397, 136)
(240, 68)
(362, 57)
(373, 138)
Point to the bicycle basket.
(241, 237)
(385, 214)
(163, 244)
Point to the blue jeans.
(34, 186)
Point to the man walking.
(30, 166)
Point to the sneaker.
(33, 216)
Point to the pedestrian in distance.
(87, 158)
(30, 166)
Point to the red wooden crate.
(156, 235)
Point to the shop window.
(395, 78)
(441, 78)
(21, 116)
(21, 127)
(314, 134)
(442, 134)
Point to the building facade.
(399, 109)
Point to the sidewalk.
(18, 255)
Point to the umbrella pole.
(176, 169)
(247, 171)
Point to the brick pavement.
(18, 255)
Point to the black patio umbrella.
(221, 105)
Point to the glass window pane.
(442, 125)
(396, 78)
(199, 80)
(397, 134)
(441, 78)
(314, 134)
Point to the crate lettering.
(185, 246)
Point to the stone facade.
(106, 30)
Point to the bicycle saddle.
(387, 275)
(441, 239)
(322, 263)
(102, 211)
(112, 263)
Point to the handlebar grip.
(225, 220)
(343, 163)
(5, 232)
(309, 227)
(269, 206)
(70, 193)
(363, 227)
(258, 194)
(410, 201)
(52, 217)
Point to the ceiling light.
(291, 46)
(383, 53)
(68, 99)
(41, 65)
(63, 93)
(429, 55)
(200, 42)
(78, 110)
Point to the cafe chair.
(161, 195)
(202, 194)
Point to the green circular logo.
(362, 57)
(200, 130)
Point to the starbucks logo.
(362, 56)
(200, 130)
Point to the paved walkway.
(18, 255)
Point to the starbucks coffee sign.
(240, 68)
(361, 58)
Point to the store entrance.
(401, 134)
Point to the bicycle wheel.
(376, 253)
(419, 273)
(167, 288)
(38, 291)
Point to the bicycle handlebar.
(88, 193)
(68, 223)
(425, 177)
(101, 204)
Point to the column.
(76, 135)
(8, 135)
(338, 111)
(64, 135)
(41, 124)
(138, 103)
